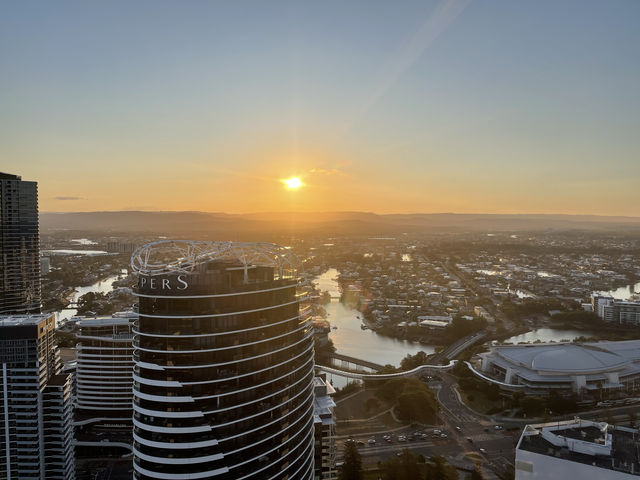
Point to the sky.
(493, 106)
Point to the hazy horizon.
(328, 212)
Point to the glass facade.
(19, 246)
(223, 376)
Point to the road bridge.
(356, 361)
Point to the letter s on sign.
(182, 282)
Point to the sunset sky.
(453, 106)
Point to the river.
(101, 286)
(547, 335)
(350, 339)
(623, 293)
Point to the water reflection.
(350, 339)
(546, 335)
(102, 286)
(623, 293)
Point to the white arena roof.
(568, 358)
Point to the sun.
(292, 183)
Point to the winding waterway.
(101, 286)
(350, 339)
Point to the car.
(498, 427)
(482, 450)
(436, 431)
(371, 441)
(402, 438)
(458, 429)
(443, 435)
(410, 437)
(469, 439)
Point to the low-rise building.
(622, 313)
(577, 449)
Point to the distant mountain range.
(334, 223)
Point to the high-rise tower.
(104, 382)
(19, 246)
(36, 423)
(223, 376)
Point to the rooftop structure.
(580, 448)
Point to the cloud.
(68, 198)
(324, 171)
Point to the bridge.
(356, 361)
(449, 354)
(385, 376)
(453, 350)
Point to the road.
(467, 434)
(477, 432)
(382, 450)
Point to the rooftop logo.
(160, 283)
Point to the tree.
(532, 406)
(415, 401)
(412, 361)
(476, 474)
(439, 469)
(352, 466)
(372, 404)
(404, 468)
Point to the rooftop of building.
(119, 318)
(583, 441)
(571, 358)
(8, 176)
(23, 320)
(58, 380)
(184, 256)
